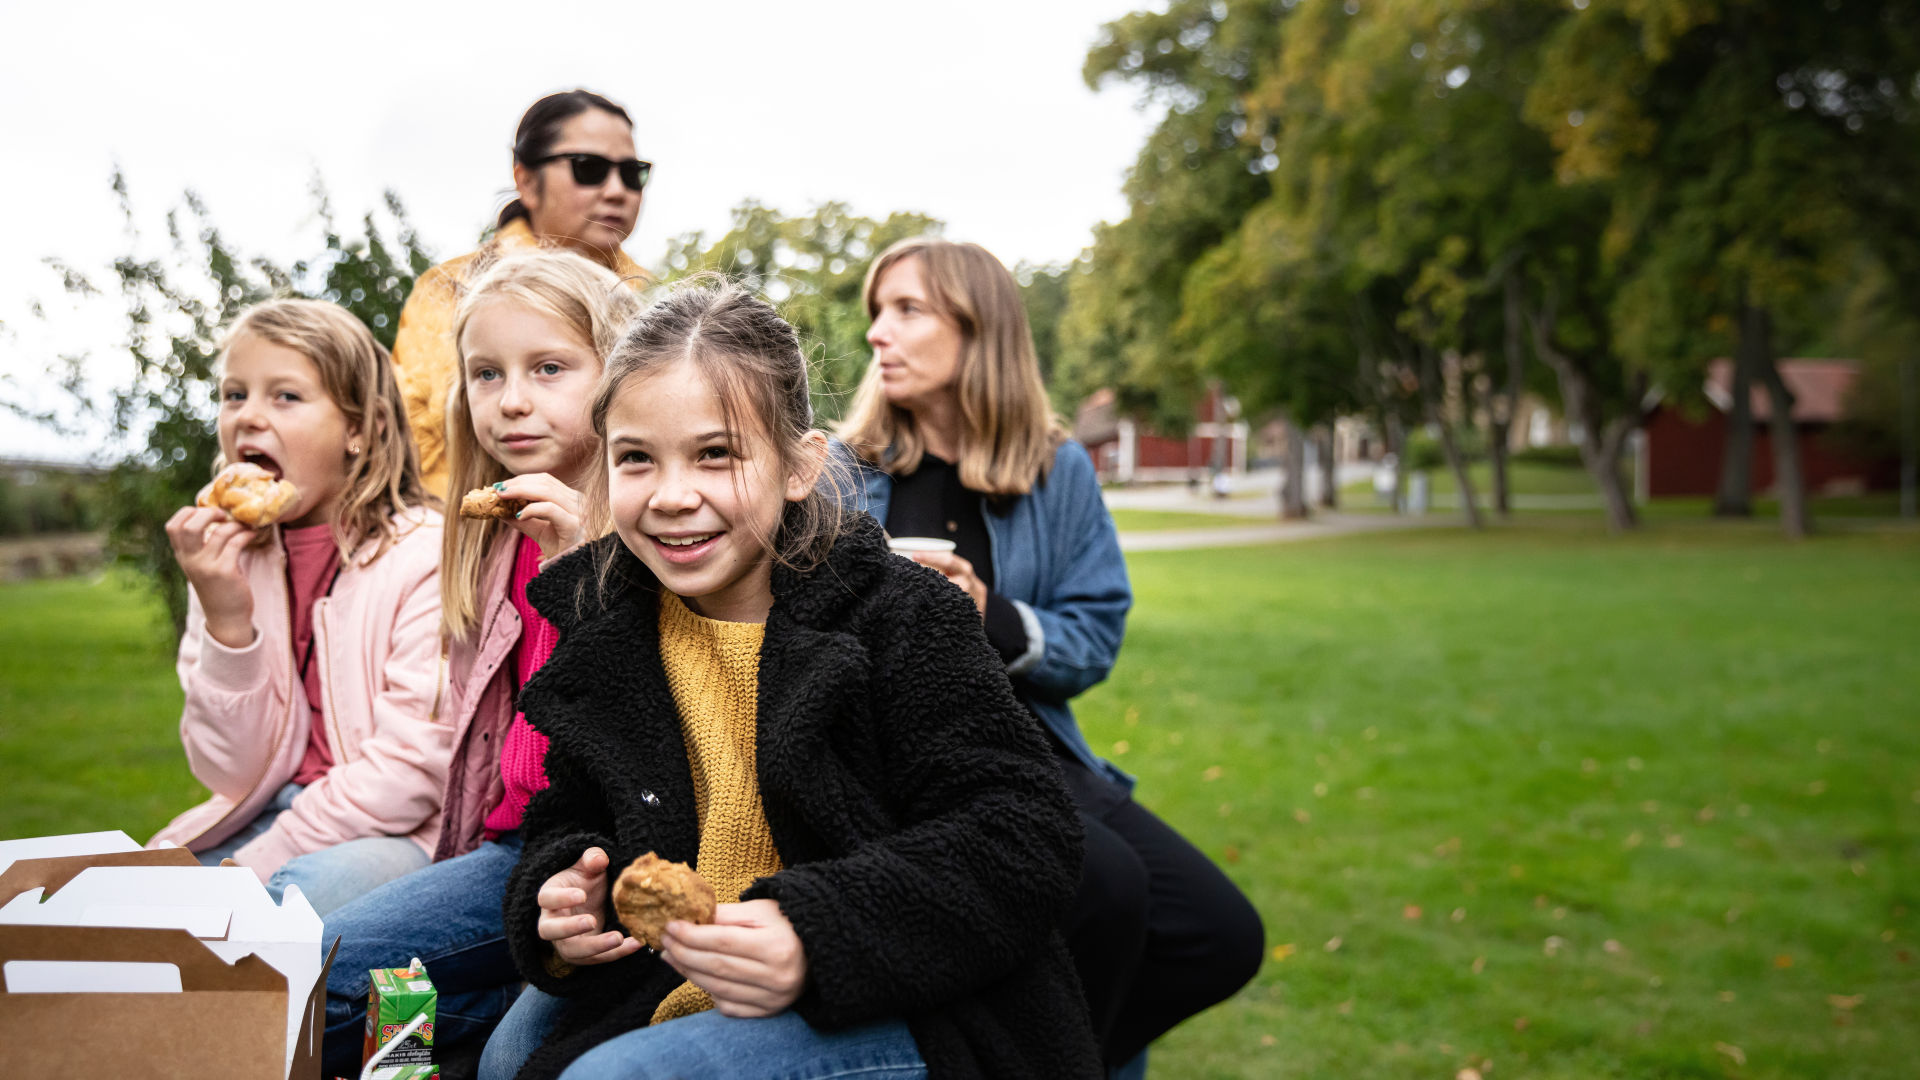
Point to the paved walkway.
(1321, 525)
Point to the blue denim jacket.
(1057, 557)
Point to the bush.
(1559, 457)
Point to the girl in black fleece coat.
(925, 841)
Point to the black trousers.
(1157, 932)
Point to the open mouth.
(687, 548)
(255, 457)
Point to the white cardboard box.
(144, 963)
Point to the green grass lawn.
(1164, 520)
(1574, 805)
(1526, 477)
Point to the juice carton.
(398, 995)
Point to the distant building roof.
(1819, 389)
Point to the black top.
(928, 842)
(931, 501)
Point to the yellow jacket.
(424, 359)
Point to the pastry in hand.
(652, 892)
(249, 494)
(488, 503)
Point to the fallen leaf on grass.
(1212, 774)
(1268, 1040)
(1232, 853)
(1301, 816)
(1886, 935)
(1738, 1055)
(1320, 790)
(1520, 1023)
(1479, 964)
(1450, 846)
(1726, 995)
(1459, 914)
(1345, 1008)
(1333, 944)
(1120, 748)
(1842, 1001)
(1676, 840)
(1612, 946)
(1783, 961)
(1411, 911)
(1553, 945)
(1281, 952)
(1468, 1073)
(1632, 840)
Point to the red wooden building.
(1128, 452)
(1683, 452)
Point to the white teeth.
(685, 541)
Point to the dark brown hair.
(751, 357)
(541, 125)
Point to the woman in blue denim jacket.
(954, 439)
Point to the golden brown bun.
(249, 494)
(653, 892)
(488, 503)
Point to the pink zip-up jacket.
(246, 720)
(480, 700)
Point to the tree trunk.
(1503, 405)
(1909, 438)
(1293, 486)
(1329, 470)
(1601, 443)
(1735, 495)
(1788, 480)
(1396, 435)
(1433, 395)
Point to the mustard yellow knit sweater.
(713, 668)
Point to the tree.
(178, 304)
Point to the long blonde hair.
(357, 374)
(1008, 430)
(595, 306)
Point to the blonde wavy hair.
(357, 375)
(595, 307)
(1008, 431)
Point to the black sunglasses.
(590, 170)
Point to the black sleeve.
(987, 851)
(1005, 630)
(563, 820)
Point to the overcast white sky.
(973, 113)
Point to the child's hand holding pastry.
(552, 514)
(207, 544)
(749, 959)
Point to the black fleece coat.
(927, 838)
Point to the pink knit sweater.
(523, 752)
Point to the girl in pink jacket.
(530, 334)
(311, 658)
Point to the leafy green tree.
(178, 304)
(811, 268)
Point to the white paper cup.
(908, 545)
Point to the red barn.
(1683, 453)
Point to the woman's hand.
(553, 512)
(573, 905)
(749, 960)
(959, 571)
(207, 544)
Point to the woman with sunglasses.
(577, 184)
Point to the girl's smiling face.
(528, 380)
(275, 412)
(698, 504)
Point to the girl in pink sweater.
(311, 659)
(530, 334)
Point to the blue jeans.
(448, 915)
(331, 876)
(711, 1045)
